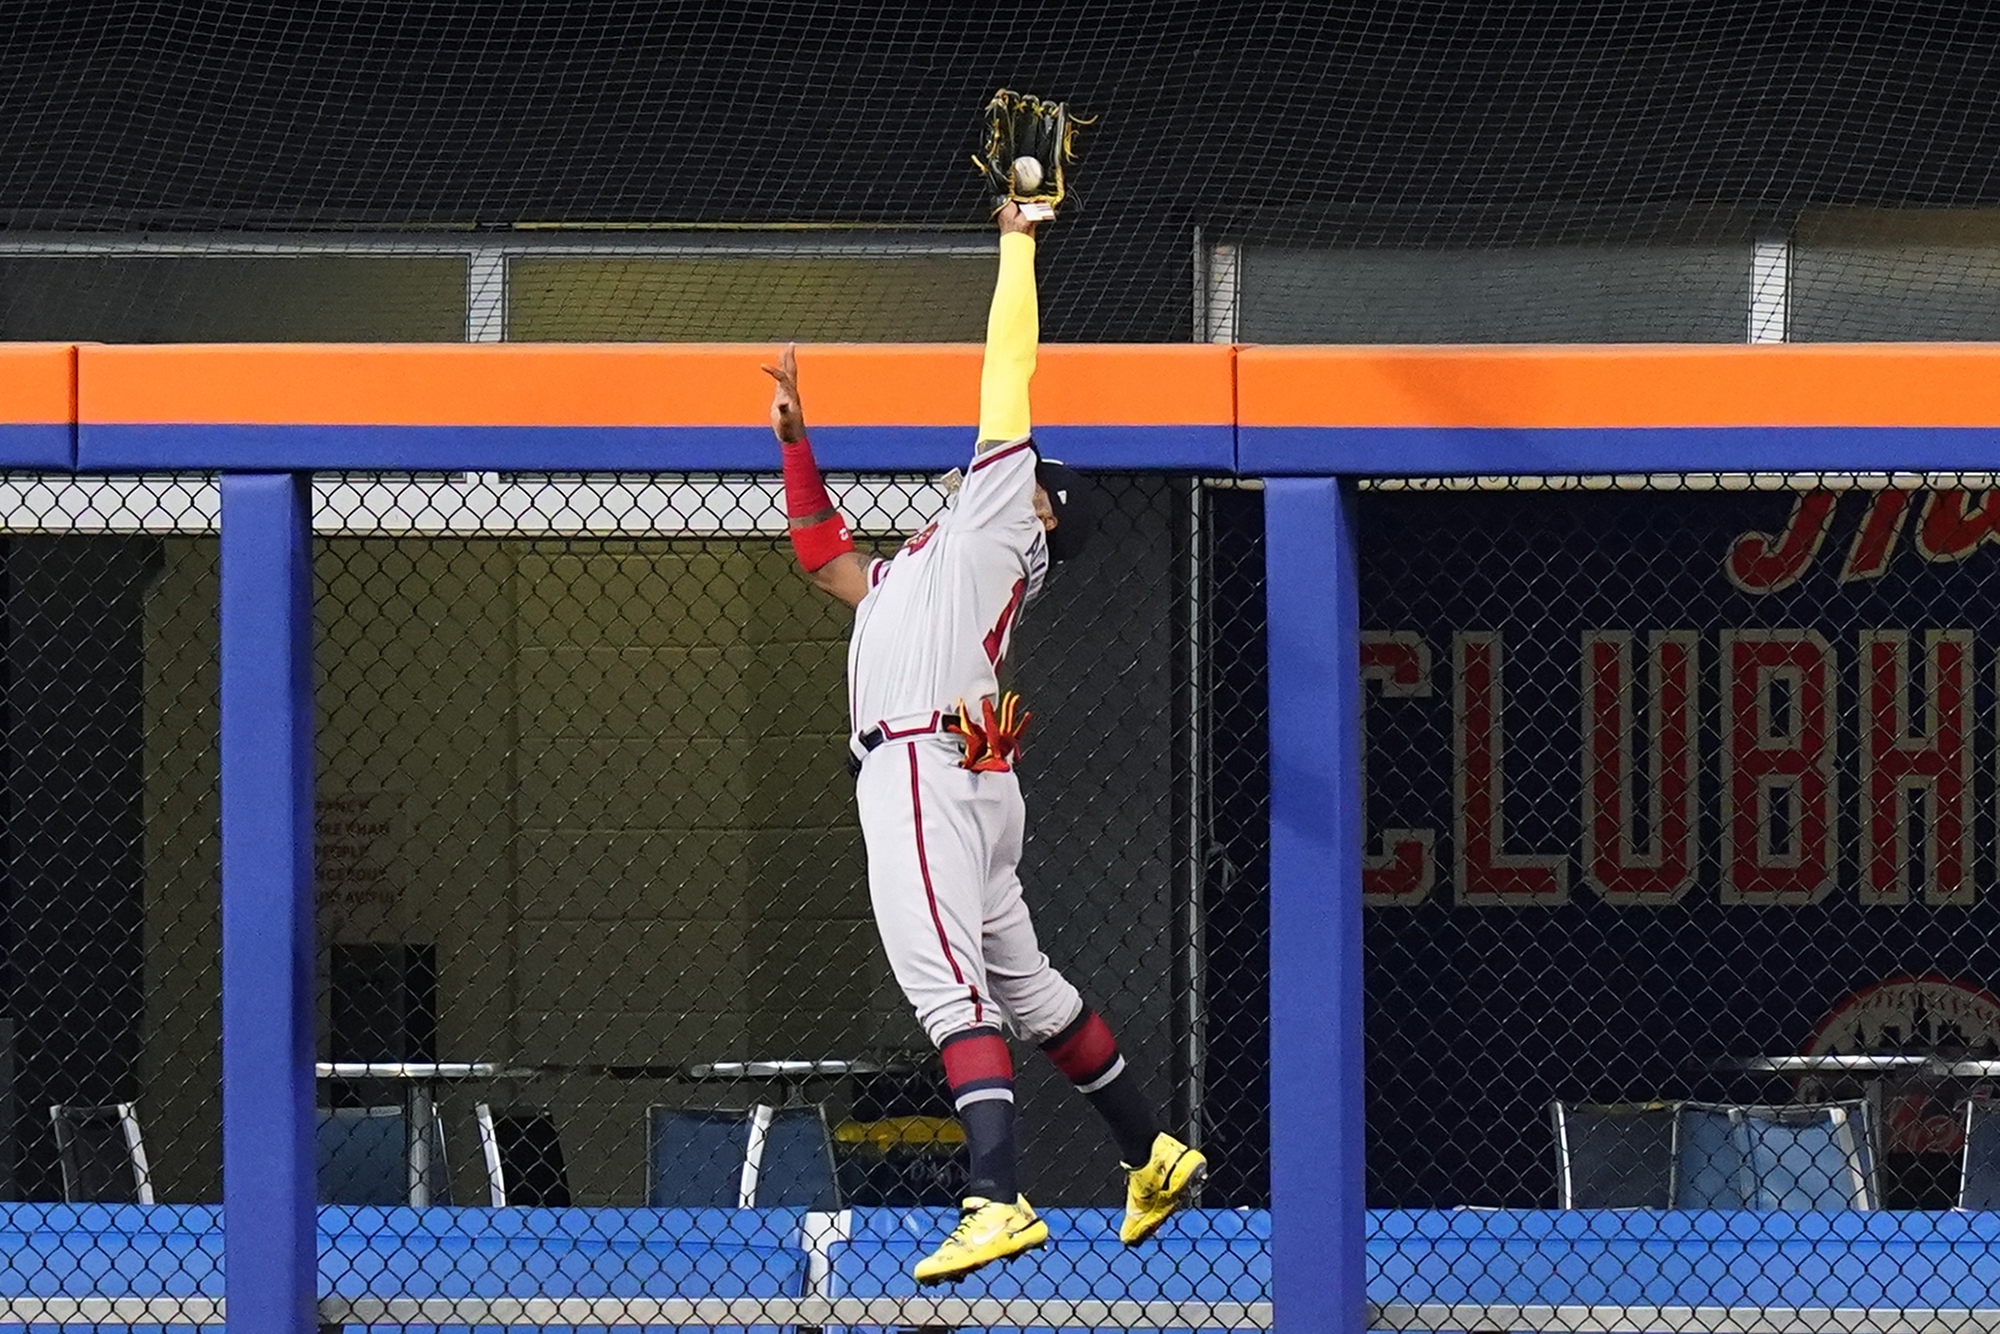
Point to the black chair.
(102, 1155)
(524, 1159)
(364, 1157)
(1614, 1155)
(1979, 1170)
(766, 1157)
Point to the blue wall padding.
(38, 446)
(176, 1251)
(1318, 1078)
(1897, 1260)
(116, 1250)
(1211, 1255)
(368, 1251)
(157, 448)
(1418, 451)
(1642, 1257)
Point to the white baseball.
(1027, 173)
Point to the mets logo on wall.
(1924, 1016)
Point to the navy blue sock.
(1088, 1055)
(980, 1071)
(989, 1135)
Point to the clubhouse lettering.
(1817, 752)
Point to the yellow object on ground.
(892, 1132)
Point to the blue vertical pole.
(268, 1181)
(1318, 1218)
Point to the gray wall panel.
(1557, 294)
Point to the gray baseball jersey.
(938, 618)
(944, 841)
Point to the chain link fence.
(596, 967)
(1680, 942)
(110, 1037)
(1680, 802)
(594, 908)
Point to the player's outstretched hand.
(1011, 219)
(788, 416)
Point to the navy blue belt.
(883, 732)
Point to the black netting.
(1275, 172)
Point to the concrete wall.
(690, 881)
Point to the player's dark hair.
(1074, 505)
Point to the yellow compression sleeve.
(1013, 327)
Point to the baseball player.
(934, 739)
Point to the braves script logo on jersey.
(1927, 1016)
(922, 537)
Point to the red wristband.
(822, 542)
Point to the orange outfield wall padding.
(37, 384)
(633, 385)
(1810, 385)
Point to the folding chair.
(524, 1159)
(766, 1157)
(789, 1159)
(1614, 1155)
(102, 1155)
(1805, 1157)
(1979, 1169)
(364, 1157)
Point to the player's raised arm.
(819, 534)
(1013, 328)
(998, 495)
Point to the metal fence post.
(268, 1182)
(1318, 1219)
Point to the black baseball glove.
(1027, 143)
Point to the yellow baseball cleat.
(987, 1230)
(1154, 1191)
